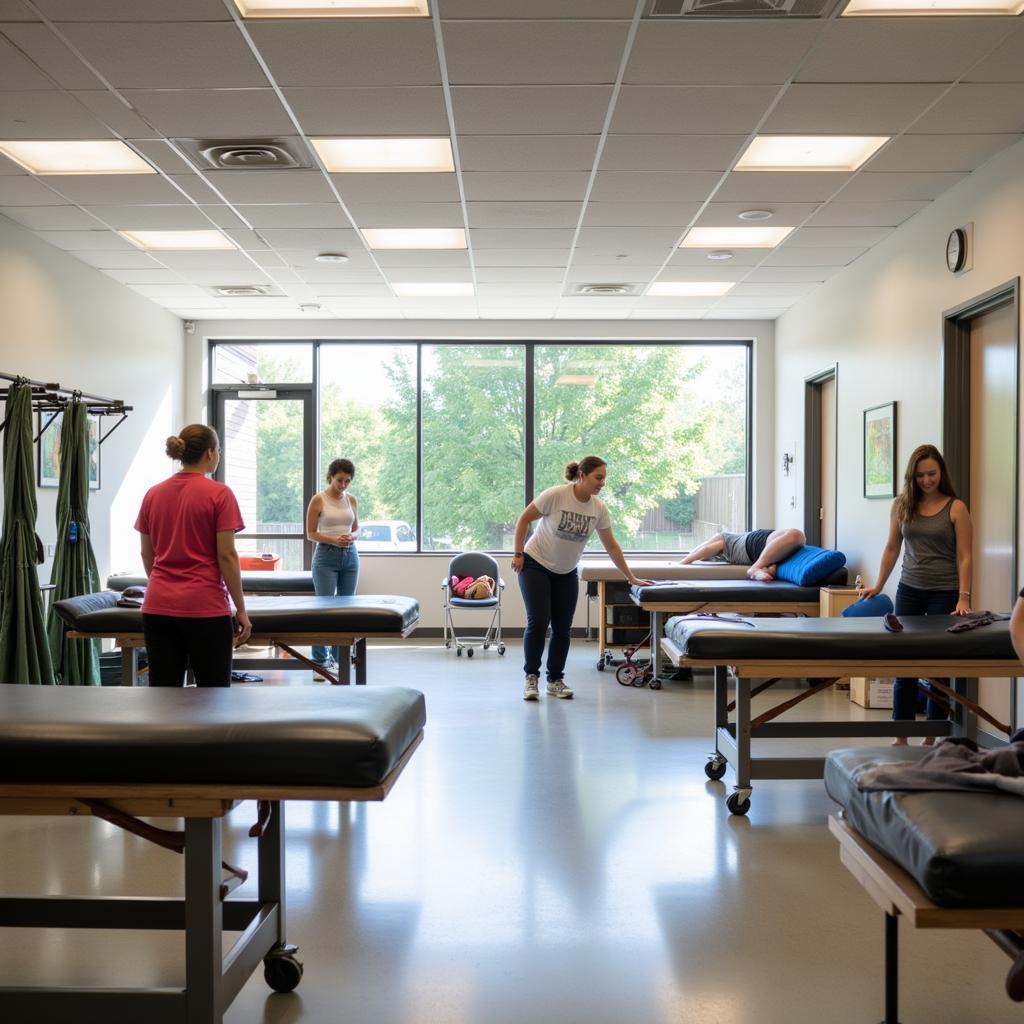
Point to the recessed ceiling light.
(756, 214)
(331, 257)
(102, 156)
(690, 287)
(181, 240)
(415, 238)
(720, 255)
(385, 156)
(932, 8)
(442, 288)
(809, 152)
(333, 8)
(737, 238)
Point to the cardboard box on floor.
(871, 693)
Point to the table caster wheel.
(655, 683)
(501, 648)
(448, 644)
(600, 665)
(736, 805)
(469, 652)
(458, 652)
(282, 971)
(714, 770)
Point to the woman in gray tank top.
(933, 527)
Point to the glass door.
(266, 438)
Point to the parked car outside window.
(386, 535)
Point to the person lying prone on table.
(761, 550)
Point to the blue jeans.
(335, 573)
(914, 601)
(550, 599)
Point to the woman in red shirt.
(188, 525)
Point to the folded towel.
(972, 620)
(131, 597)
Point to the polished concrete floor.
(558, 862)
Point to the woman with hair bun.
(188, 525)
(547, 566)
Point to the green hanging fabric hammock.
(75, 662)
(24, 653)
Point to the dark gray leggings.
(175, 644)
(550, 599)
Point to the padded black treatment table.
(253, 582)
(825, 650)
(937, 859)
(745, 596)
(121, 754)
(286, 622)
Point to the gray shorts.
(735, 550)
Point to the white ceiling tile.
(746, 302)
(114, 115)
(530, 110)
(699, 258)
(534, 53)
(146, 275)
(506, 10)
(398, 274)
(321, 239)
(408, 215)
(870, 187)
(106, 189)
(708, 272)
(666, 314)
(611, 273)
(382, 300)
(758, 187)
(690, 52)
(519, 275)
(159, 153)
(328, 291)
(151, 218)
(384, 51)
(671, 152)
(676, 302)
(1005, 64)
(793, 290)
(415, 259)
(839, 236)
(727, 313)
(843, 214)
(690, 110)
(818, 256)
(360, 313)
(15, 10)
(296, 215)
(189, 261)
(369, 110)
(223, 217)
(46, 115)
(8, 166)
(850, 109)
(523, 215)
(16, 73)
(533, 313)
(939, 152)
(521, 238)
(272, 187)
(50, 218)
(140, 10)
(327, 275)
(116, 258)
(524, 186)
(85, 241)
(197, 189)
(622, 256)
(790, 275)
(719, 214)
(304, 260)
(609, 314)
(994, 107)
(46, 50)
(212, 113)
(639, 214)
(506, 292)
(623, 239)
(641, 186)
(901, 49)
(401, 188)
(178, 291)
(521, 257)
(196, 55)
(527, 152)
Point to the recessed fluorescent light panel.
(932, 8)
(433, 288)
(385, 156)
(184, 241)
(333, 8)
(103, 156)
(736, 238)
(690, 287)
(415, 238)
(809, 152)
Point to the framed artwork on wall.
(880, 451)
(49, 450)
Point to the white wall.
(880, 320)
(63, 321)
(420, 576)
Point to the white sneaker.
(532, 691)
(557, 688)
(330, 664)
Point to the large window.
(451, 440)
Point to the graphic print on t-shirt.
(574, 526)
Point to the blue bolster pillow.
(880, 604)
(808, 566)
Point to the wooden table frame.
(734, 737)
(896, 893)
(352, 652)
(213, 978)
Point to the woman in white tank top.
(332, 520)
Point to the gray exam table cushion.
(745, 590)
(253, 582)
(964, 849)
(363, 613)
(835, 639)
(275, 736)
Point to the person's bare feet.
(928, 741)
(764, 575)
(900, 741)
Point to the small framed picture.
(880, 451)
(49, 449)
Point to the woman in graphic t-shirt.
(547, 566)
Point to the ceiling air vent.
(606, 289)
(247, 154)
(240, 291)
(740, 8)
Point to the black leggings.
(175, 644)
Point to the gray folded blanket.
(131, 597)
(955, 764)
(972, 620)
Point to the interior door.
(827, 506)
(266, 439)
